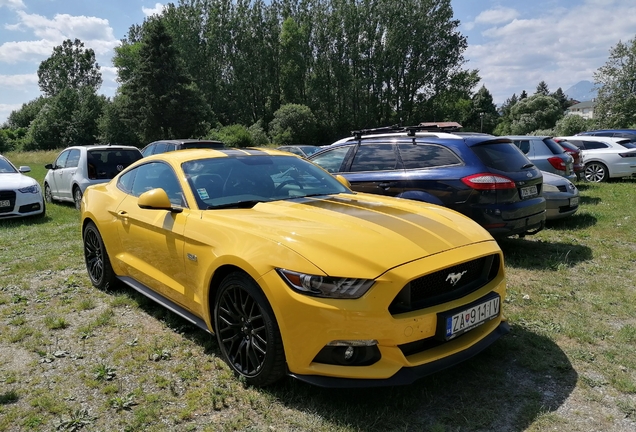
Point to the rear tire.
(596, 172)
(96, 258)
(247, 332)
(77, 197)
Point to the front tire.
(96, 258)
(596, 172)
(48, 194)
(77, 197)
(247, 331)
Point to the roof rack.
(448, 127)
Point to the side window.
(426, 156)
(60, 162)
(148, 150)
(524, 145)
(374, 157)
(157, 175)
(539, 148)
(125, 181)
(171, 147)
(577, 143)
(160, 148)
(332, 160)
(73, 159)
(595, 145)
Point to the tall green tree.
(161, 99)
(70, 66)
(561, 98)
(483, 114)
(293, 67)
(616, 82)
(22, 117)
(542, 89)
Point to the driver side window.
(157, 175)
(332, 160)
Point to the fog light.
(348, 354)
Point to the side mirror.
(343, 180)
(156, 199)
(49, 166)
(24, 169)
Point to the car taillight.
(557, 163)
(487, 181)
(633, 154)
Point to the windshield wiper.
(238, 204)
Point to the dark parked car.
(575, 152)
(163, 146)
(546, 154)
(484, 177)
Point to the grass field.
(75, 358)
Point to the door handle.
(384, 185)
(122, 214)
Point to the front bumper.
(308, 324)
(21, 204)
(558, 205)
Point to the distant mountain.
(581, 91)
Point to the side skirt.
(168, 304)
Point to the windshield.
(6, 167)
(244, 181)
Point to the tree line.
(288, 71)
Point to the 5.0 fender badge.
(455, 277)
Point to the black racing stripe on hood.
(233, 152)
(399, 221)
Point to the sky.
(514, 44)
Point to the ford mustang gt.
(293, 272)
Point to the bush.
(235, 135)
(293, 124)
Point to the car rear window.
(107, 163)
(502, 156)
(426, 156)
(553, 146)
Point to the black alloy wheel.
(96, 259)
(247, 331)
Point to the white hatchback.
(78, 167)
(605, 157)
(20, 195)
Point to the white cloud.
(12, 4)
(18, 80)
(496, 16)
(558, 48)
(157, 10)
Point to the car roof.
(101, 147)
(194, 154)
(187, 140)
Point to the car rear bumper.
(501, 220)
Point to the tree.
(523, 95)
(161, 101)
(616, 82)
(483, 114)
(542, 89)
(571, 124)
(22, 118)
(292, 63)
(561, 98)
(293, 124)
(533, 113)
(70, 66)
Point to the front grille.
(7, 195)
(446, 285)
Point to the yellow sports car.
(295, 273)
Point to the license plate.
(528, 191)
(5, 203)
(574, 201)
(473, 316)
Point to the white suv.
(78, 167)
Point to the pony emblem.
(455, 277)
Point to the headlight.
(550, 188)
(30, 189)
(325, 286)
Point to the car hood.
(357, 235)
(15, 181)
